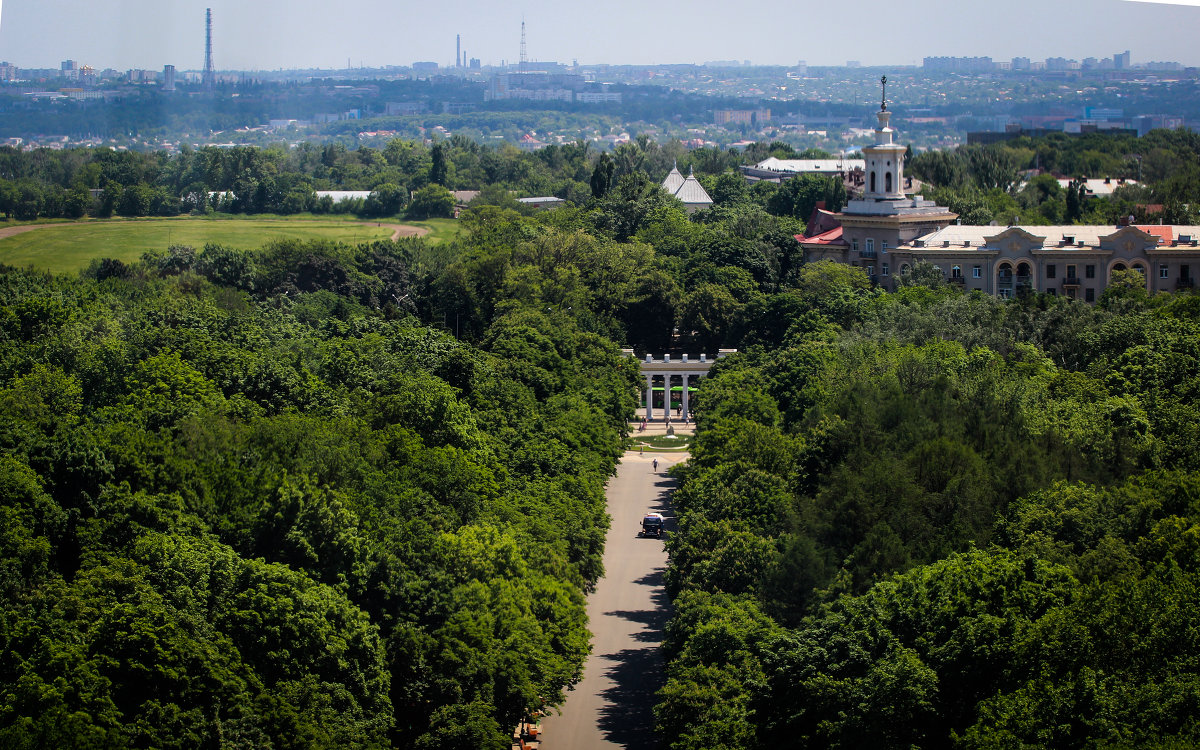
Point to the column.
(667, 396)
(649, 397)
(686, 380)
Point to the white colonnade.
(686, 369)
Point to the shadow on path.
(627, 717)
(653, 620)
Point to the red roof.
(832, 237)
(1164, 232)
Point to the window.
(1089, 272)
(1163, 271)
(956, 272)
(904, 270)
(870, 245)
(1090, 295)
(1051, 270)
(854, 244)
(1185, 271)
(883, 270)
(1051, 292)
(976, 272)
(1071, 272)
(883, 246)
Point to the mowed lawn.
(70, 247)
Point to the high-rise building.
(1121, 61)
(168, 78)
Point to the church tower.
(885, 159)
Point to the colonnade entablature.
(668, 368)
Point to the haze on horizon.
(274, 34)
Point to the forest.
(321, 495)
(243, 506)
(980, 183)
(931, 519)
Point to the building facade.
(1073, 261)
(888, 233)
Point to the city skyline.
(304, 34)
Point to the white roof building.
(674, 180)
(687, 189)
(342, 195)
(1099, 186)
(776, 170)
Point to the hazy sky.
(271, 34)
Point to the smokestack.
(458, 50)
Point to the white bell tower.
(885, 160)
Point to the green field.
(70, 247)
(440, 230)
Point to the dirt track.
(12, 231)
(405, 230)
(611, 706)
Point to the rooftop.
(964, 236)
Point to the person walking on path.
(656, 465)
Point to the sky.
(275, 34)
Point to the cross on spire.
(883, 102)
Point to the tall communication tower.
(524, 58)
(209, 76)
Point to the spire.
(691, 171)
(524, 59)
(883, 99)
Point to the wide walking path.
(612, 706)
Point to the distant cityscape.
(725, 103)
(568, 76)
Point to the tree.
(798, 196)
(438, 170)
(1076, 193)
(602, 176)
(431, 201)
(385, 200)
(730, 188)
(924, 274)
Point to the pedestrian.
(656, 465)
(641, 450)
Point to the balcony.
(1023, 279)
(1184, 283)
(960, 280)
(866, 254)
(1071, 282)
(1005, 282)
